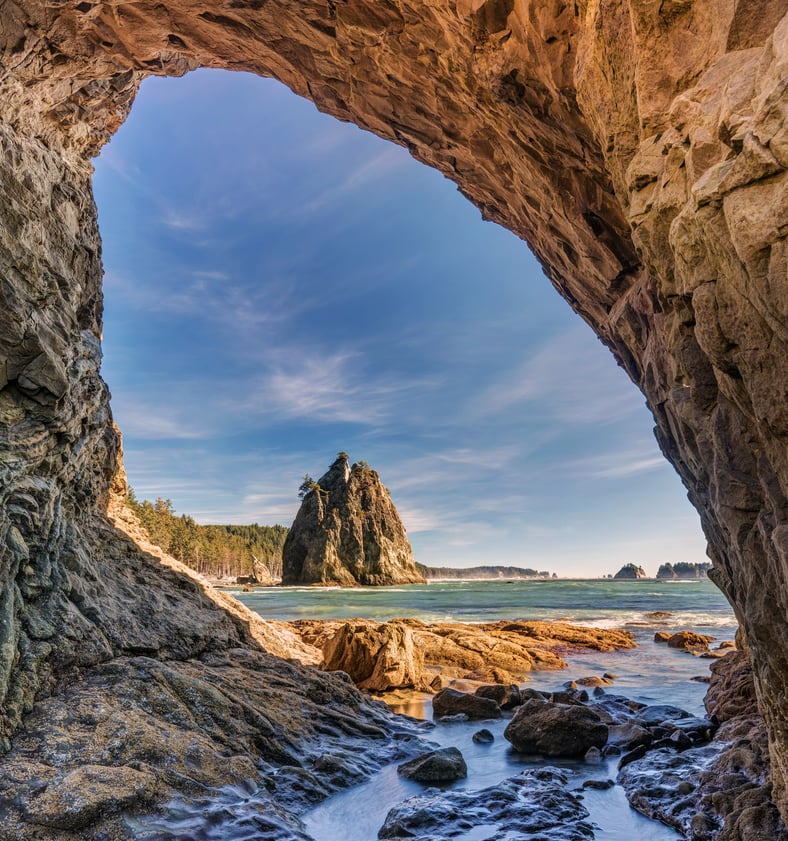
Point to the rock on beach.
(557, 730)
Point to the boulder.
(377, 657)
(506, 697)
(690, 641)
(451, 702)
(483, 737)
(629, 736)
(557, 730)
(437, 766)
(659, 713)
(592, 681)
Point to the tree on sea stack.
(347, 531)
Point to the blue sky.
(281, 286)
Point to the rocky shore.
(410, 654)
(707, 777)
(238, 732)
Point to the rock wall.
(347, 531)
(639, 147)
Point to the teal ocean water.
(600, 602)
(651, 673)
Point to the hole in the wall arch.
(280, 286)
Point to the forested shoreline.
(216, 551)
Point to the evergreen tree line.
(683, 569)
(215, 551)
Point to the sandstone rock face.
(347, 531)
(640, 148)
(731, 690)
(377, 658)
(408, 653)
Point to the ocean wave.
(682, 580)
(679, 619)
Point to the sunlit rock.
(347, 531)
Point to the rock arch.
(640, 148)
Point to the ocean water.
(651, 673)
(600, 602)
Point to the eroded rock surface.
(535, 804)
(718, 789)
(639, 147)
(409, 653)
(128, 736)
(347, 531)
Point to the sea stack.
(630, 572)
(347, 531)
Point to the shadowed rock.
(451, 702)
(534, 804)
(438, 766)
(483, 737)
(506, 697)
(719, 790)
(555, 730)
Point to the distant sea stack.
(630, 572)
(683, 570)
(483, 573)
(347, 531)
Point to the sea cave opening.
(280, 286)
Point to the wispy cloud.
(360, 177)
(150, 421)
(615, 465)
(325, 386)
(452, 468)
(569, 379)
(179, 220)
